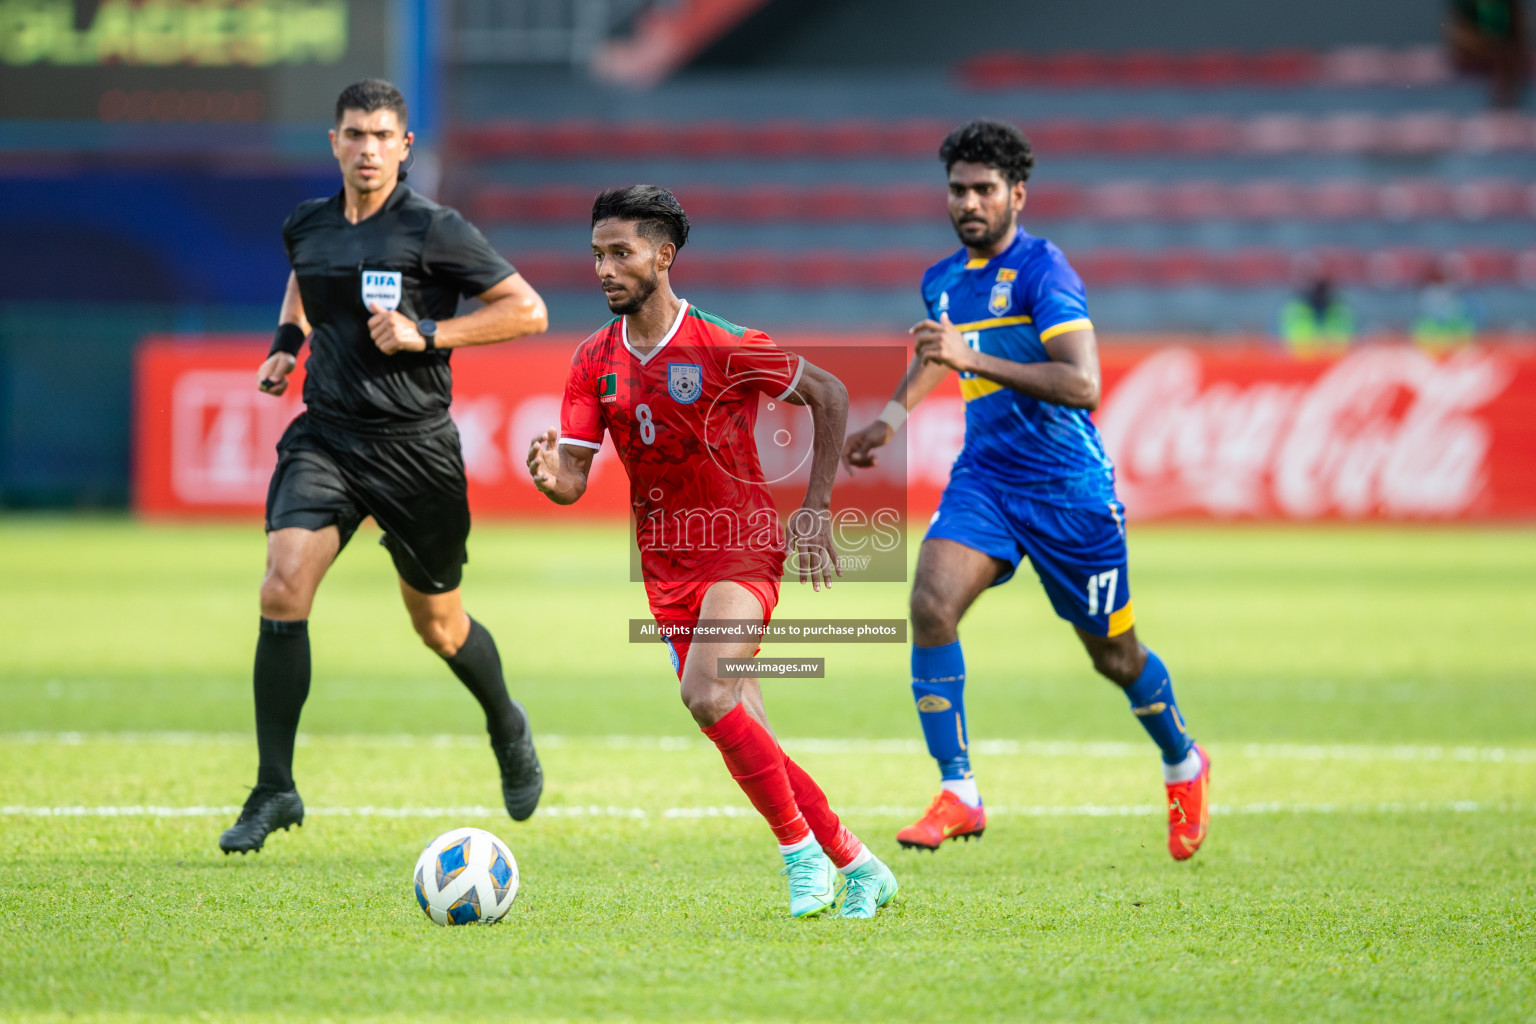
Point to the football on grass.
(466, 876)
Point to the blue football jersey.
(1008, 307)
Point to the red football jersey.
(682, 418)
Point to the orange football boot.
(1188, 810)
(948, 817)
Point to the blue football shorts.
(1078, 551)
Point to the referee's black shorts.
(411, 482)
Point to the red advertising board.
(1384, 432)
(205, 436)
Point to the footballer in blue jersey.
(1008, 313)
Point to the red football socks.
(840, 845)
(758, 766)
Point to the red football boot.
(1188, 810)
(948, 817)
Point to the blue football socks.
(938, 686)
(1151, 697)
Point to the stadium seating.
(1261, 200)
(1193, 191)
(1351, 66)
(1107, 267)
(1424, 132)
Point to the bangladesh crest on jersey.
(685, 382)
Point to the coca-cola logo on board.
(224, 436)
(1386, 431)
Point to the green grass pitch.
(1366, 695)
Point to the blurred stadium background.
(1228, 178)
(1309, 250)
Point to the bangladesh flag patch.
(607, 384)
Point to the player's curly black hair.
(994, 143)
(369, 95)
(657, 213)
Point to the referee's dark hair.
(994, 143)
(369, 95)
(656, 212)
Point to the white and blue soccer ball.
(466, 876)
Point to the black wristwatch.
(428, 331)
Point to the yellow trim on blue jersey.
(976, 264)
(975, 387)
(997, 321)
(1122, 620)
(1062, 328)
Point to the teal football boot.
(812, 882)
(870, 887)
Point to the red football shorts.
(678, 604)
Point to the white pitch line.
(984, 748)
(733, 811)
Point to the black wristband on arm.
(289, 339)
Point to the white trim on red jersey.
(578, 442)
(794, 381)
(682, 311)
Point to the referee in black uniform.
(378, 272)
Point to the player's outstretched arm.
(272, 375)
(1070, 378)
(559, 470)
(921, 378)
(810, 528)
(511, 309)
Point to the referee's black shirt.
(427, 254)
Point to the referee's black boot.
(522, 779)
(265, 811)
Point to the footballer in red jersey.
(681, 414)
(677, 390)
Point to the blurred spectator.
(1492, 37)
(1445, 317)
(1317, 321)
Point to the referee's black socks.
(478, 666)
(282, 684)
